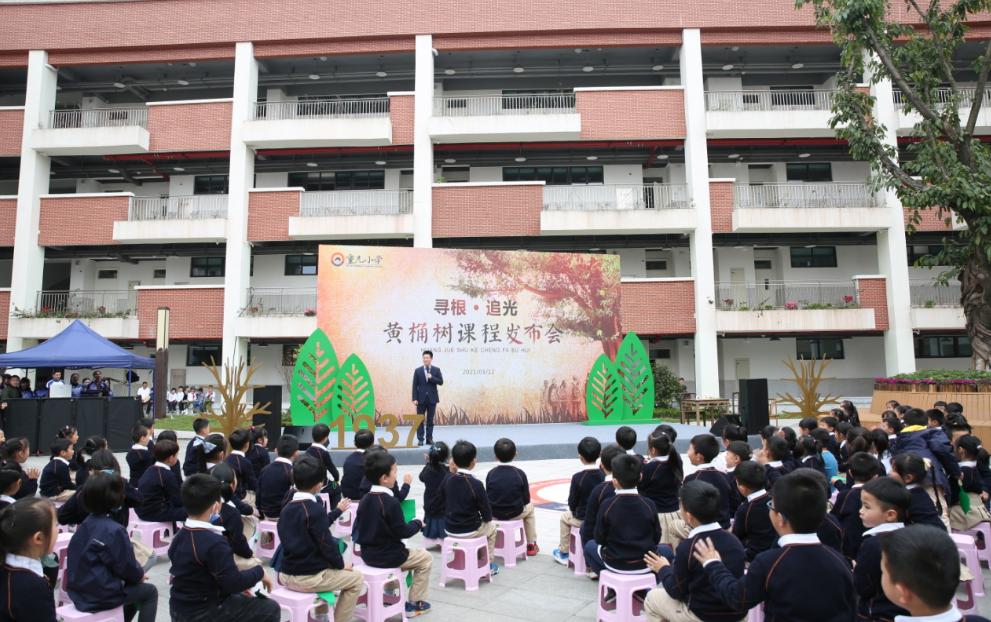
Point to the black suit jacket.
(425, 391)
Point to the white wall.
(83, 273)
(850, 261)
(270, 272)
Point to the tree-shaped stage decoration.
(622, 391)
(808, 378)
(232, 389)
(325, 392)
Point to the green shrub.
(940, 375)
(667, 389)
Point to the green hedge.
(943, 375)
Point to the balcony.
(806, 207)
(198, 218)
(479, 118)
(617, 209)
(277, 312)
(11, 127)
(772, 114)
(360, 214)
(335, 123)
(99, 131)
(791, 306)
(907, 120)
(111, 313)
(936, 307)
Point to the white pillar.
(697, 174)
(242, 172)
(423, 149)
(29, 258)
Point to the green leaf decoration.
(636, 379)
(353, 394)
(602, 399)
(313, 380)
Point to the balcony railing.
(616, 197)
(942, 97)
(179, 208)
(356, 203)
(98, 117)
(927, 294)
(323, 109)
(786, 295)
(498, 105)
(86, 304)
(803, 195)
(274, 301)
(767, 101)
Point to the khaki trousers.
(249, 497)
(348, 582)
(489, 531)
(142, 552)
(529, 523)
(65, 495)
(420, 562)
(933, 491)
(659, 606)
(568, 521)
(674, 529)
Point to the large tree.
(945, 169)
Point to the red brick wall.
(483, 211)
(8, 216)
(190, 127)
(166, 54)
(334, 48)
(194, 313)
(721, 206)
(531, 41)
(269, 214)
(401, 115)
(62, 217)
(871, 294)
(631, 114)
(931, 221)
(730, 37)
(4, 313)
(11, 128)
(658, 308)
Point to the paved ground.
(538, 589)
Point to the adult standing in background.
(426, 379)
(145, 394)
(75, 387)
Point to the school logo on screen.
(337, 259)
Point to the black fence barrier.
(39, 420)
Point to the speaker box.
(753, 404)
(272, 422)
(303, 433)
(717, 427)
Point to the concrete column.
(242, 172)
(29, 258)
(697, 174)
(423, 149)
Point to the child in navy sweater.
(884, 503)
(701, 453)
(773, 457)
(247, 482)
(56, 478)
(779, 578)
(932, 444)
(169, 435)
(911, 470)
(101, 571)
(433, 475)
(190, 464)
(626, 437)
(206, 585)
(312, 560)
(752, 524)
(17, 451)
(258, 453)
(10, 481)
(318, 449)
(139, 456)
(509, 493)
(236, 518)
(600, 493)
(162, 496)
(971, 454)
(684, 585)
(27, 533)
(354, 467)
(862, 468)
(660, 480)
(275, 480)
(384, 527)
(466, 506)
(582, 484)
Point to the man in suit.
(425, 382)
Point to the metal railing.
(196, 207)
(356, 203)
(942, 97)
(498, 105)
(786, 295)
(95, 303)
(98, 117)
(616, 197)
(803, 195)
(274, 301)
(927, 294)
(767, 101)
(321, 109)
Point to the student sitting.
(843, 452)
(247, 482)
(582, 484)
(831, 445)
(238, 527)
(602, 492)
(27, 533)
(808, 452)
(101, 570)
(660, 480)
(684, 591)
(702, 451)
(366, 484)
(885, 501)
(830, 533)
(17, 451)
(162, 496)
(139, 456)
(354, 468)
(312, 560)
(731, 434)
(190, 464)
(169, 435)
(206, 585)
(211, 452)
(829, 465)
(736, 453)
(752, 524)
(970, 453)
(772, 458)
(921, 573)
(93, 444)
(10, 481)
(466, 506)
(910, 469)
(779, 578)
(275, 480)
(626, 437)
(384, 527)
(509, 493)
(56, 478)
(149, 422)
(433, 475)
(863, 468)
(257, 455)
(932, 444)
(318, 449)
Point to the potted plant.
(310, 312)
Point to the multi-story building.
(196, 154)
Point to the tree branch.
(939, 45)
(975, 106)
(893, 167)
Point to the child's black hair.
(103, 493)
(66, 432)
(59, 445)
(227, 477)
(830, 421)
(664, 446)
(790, 436)
(320, 432)
(843, 428)
(777, 448)
(105, 460)
(589, 448)
(891, 495)
(288, 446)
(307, 471)
(768, 431)
(212, 450)
(901, 409)
(924, 559)
(701, 500)
(626, 470)
(808, 424)
(798, 497)
(752, 475)
(858, 444)
(138, 432)
(8, 477)
(378, 464)
(12, 446)
(164, 449)
(863, 467)
(909, 467)
(741, 449)
(706, 446)
(609, 453)
(879, 440)
(733, 432)
(626, 437)
(364, 438)
(257, 434)
(200, 424)
(971, 445)
(239, 439)
(954, 408)
(168, 435)
(956, 423)
(21, 520)
(505, 450)
(821, 435)
(915, 416)
(935, 415)
(807, 446)
(463, 454)
(439, 453)
(666, 429)
(894, 423)
(199, 492)
(147, 422)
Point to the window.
(210, 184)
(942, 347)
(660, 353)
(206, 266)
(809, 348)
(657, 264)
(158, 274)
(297, 265)
(343, 180)
(818, 257)
(763, 264)
(819, 171)
(555, 175)
(197, 355)
(916, 253)
(106, 274)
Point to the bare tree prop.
(233, 413)
(808, 378)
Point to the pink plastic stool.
(756, 614)
(576, 553)
(968, 606)
(969, 556)
(983, 546)
(68, 613)
(297, 604)
(61, 549)
(375, 605)
(272, 527)
(470, 561)
(355, 553)
(342, 526)
(625, 608)
(508, 547)
(152, 535)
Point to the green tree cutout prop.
(322, 390)
(621, 391)
(353, 395)
(602, 393)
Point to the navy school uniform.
(775, 471)
(28, 486)
(5, 501)
(177, 472)
(383, 527)
(508, 490)
(922, 510)
(401, 492)
(842, 462)
(659, 484)
(139, 460)
(56, 478)
(833, 446)
(162, 501)
(244, 472)
(971, 481)
(230, 521)
(83, 474)
(605, 490)
(687, 581)
(466, 506)
(735, 496)
(258, 456)
(831, 533)
(273, 484)
(432, 480)
(779, 578)
(331, 486)
(72, 511)
(100, 565)
(25, 593)
(847, 511)
(582, 484)
(814, 462)
(354, 473)
(752, 525)
(307, 544)
(790, 462)
(626, 528)
(708, 473)
(191, 461)
(874, 605)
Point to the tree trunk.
(975, 296)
